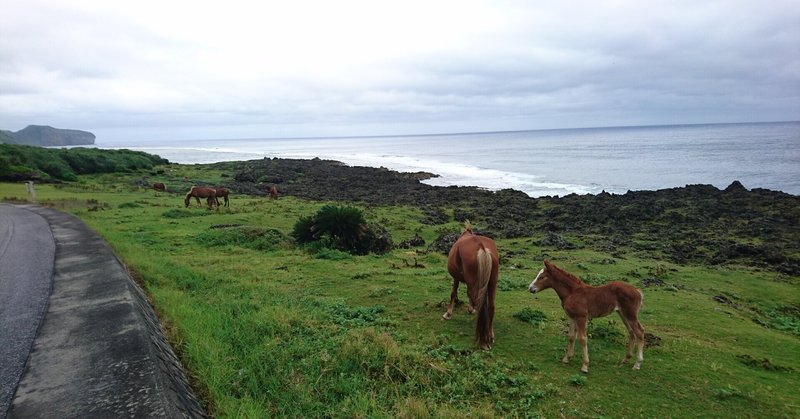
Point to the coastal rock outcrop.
(689, 224)
(43, 135)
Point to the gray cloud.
(129, 70)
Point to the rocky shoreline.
(690, 224)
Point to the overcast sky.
(240, 69)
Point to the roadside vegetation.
(21, 162)
(269, 326)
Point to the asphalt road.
(78, 337)
(27, 252)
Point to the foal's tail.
(483, 329)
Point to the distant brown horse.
(197, 192)
(159, 187)
(222, 192)
(582, 302)
(273, 193)
(474, 260)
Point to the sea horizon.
(544, 161)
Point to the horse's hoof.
(446, 316)
(565, 360)
(585, 369)
(486, 347)
(636, 366)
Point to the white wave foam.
(449, 174)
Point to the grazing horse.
(273, 193)
(197, 192)
(222, 192)
(582, 302)
(474, 260)
(159, 187)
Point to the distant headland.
(43, 135)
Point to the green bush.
(530, 315)
(342, 228)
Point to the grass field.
(267, 328)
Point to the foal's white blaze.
(532, 286)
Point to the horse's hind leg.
(631, 338)
(453, 297)
(571, 347)
(638, 331)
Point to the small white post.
(31, 191)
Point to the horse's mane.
(566, 274)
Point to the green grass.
(267, 328)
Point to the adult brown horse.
(474, 260)
(159, 187)
(197, 192)
(222, 192)
(273, 193)
(582, 302)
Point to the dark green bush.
(342, 228)
(303, 231)
(531, 315)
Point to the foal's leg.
(571, 347)
(581, 326)
(631, 338)
(638, 331)
(453, 297)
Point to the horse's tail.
(483, 329)
(641, 300)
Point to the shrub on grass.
(343, 228)
(530, 315)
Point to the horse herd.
(474, 260)
(211, 195)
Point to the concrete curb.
(100, 351)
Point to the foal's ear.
(547, 264)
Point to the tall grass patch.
(256, 238)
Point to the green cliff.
(43, 135)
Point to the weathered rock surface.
(690, 224)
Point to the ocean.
(543, 162)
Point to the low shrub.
(343, 228)
(530, 315)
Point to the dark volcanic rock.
(690, 224)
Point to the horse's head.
(543, 280)
(186, 200)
